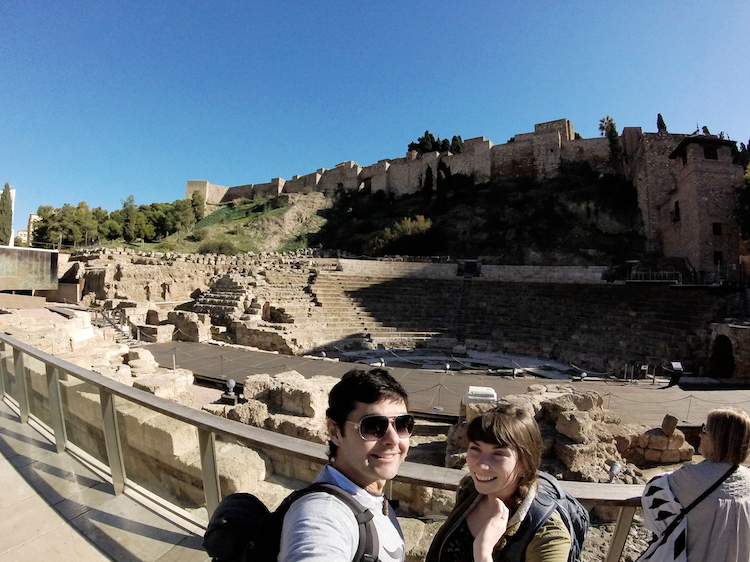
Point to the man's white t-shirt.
(320, 528)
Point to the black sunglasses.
(374, 426)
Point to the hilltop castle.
(685, 183)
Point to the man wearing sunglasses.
(369, 428)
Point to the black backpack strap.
(539, 511)
(369, 545)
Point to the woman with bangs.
(714, 494)
(494, 501)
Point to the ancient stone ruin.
(581, 439)
(305, 303)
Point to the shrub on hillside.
(200, 235)
(166, 246)
(407, 236)
(218, 247)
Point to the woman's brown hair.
(729, 429)
(510, 426)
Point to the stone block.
(669, 424)
(165, 385)
(262, 387)
(686, 452)
(139, 353)
(652, 455)
(301, 397)
(670, 456)
(309, 429)
(575, 425)
(676, 440)
(240, 468)
(184, 398)
(220, 410)
(252, 412)
(657, 440)
(119, 373)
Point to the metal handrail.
(627, 497)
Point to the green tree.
(87, 223)
(429, 181)
(608, 128)
(457, 145)
(6, 216)
(130, 216)
(199, 205)
(661, 126)
(111, 229)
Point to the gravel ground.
(599, 538)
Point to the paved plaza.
(439, 392)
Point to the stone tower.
(696, 220)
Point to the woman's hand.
(492, 532)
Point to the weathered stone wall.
(737, 335)
(299, 184)
(538, 155)
(406, 175)
(383, 268)
(212, 194)
(544, 274)
(561, 126)
(513, 159)
(655, 177)
(692, 234)
(475, 161)
(593, 151)
(376, 176)
(344, 175)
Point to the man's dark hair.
(363, 386)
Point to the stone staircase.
(613, 323)
(226, 298)
(348, 312)
(116, 320)
(600, 325)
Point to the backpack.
(550, 497)
(242, 529)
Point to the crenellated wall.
(539, 155)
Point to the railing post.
(3, 370)
(56, 409)
(616, 546)
(112, 440)
(211, 487)
(23, 393)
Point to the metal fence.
(209, 426)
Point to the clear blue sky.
(101, 99)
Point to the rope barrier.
(592, 372)
(405, 360)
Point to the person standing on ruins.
(369, 428)
(702, 511)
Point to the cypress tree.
(6, 216)
(661, 126)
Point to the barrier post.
(3, 369)
(56, 409)
(624, 520)
(23, 393)
(112, 440)
(211, 487)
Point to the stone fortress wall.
(694, 181)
